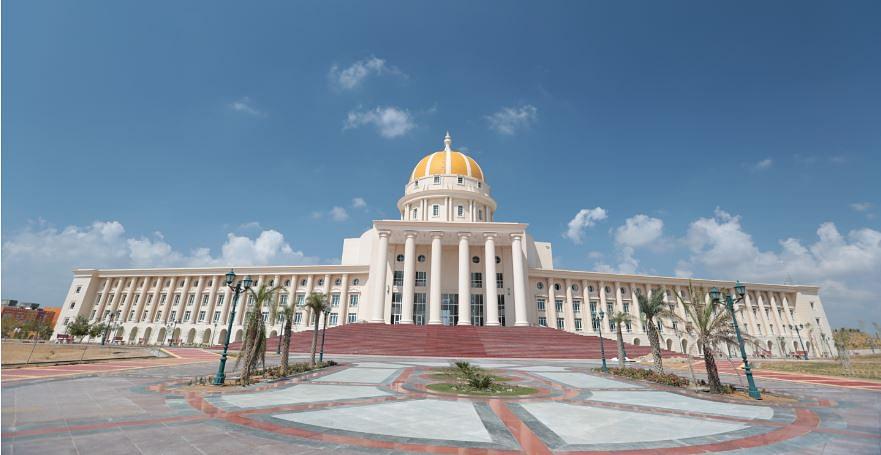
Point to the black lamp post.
(237, 289)
(323, 334)
(599, 318)
(799, 339)
(740, 289)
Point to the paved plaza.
(381, 405)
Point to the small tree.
(254, 344)
(288, 318)
(97, 330)
(652, 309)
(317, 303)
(619, 319)
(712, 326)
(841, 338)
(79, 327)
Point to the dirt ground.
(15, 352)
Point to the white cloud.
(861, 206)
(627, 262)
(509, 120)
(584, 219)
(246, 105)
(359, 203)
(351, 77)
(38, 260)
(762, 165)
(848, 268)
(389, 121)
(338, 214)
(639, 230)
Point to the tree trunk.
(315, 339)
(286, 346)
(621, 354)
(712, 372)
(656, 345)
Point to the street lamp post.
(323, 334)
(237, 289)
(799, 339)
(107, 328)
(599, 318)
(729, 303)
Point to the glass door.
(502, 310)
(450, 309)
(396, 308)
(477, 309)
(419, 308)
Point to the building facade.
(446, 260)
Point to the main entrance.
(450, 309)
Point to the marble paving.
(302, 393)
(364, 375)
(586, 381)
(424, 419)
(667, 400)
(588, 425)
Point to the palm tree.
(254, 344)
(711, 325)
(288, 316)
(317, 302)
(618, 319)
(652, 310)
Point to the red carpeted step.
(459, 341)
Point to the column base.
(463, 323)
(521, 324)
(492, 324)
(376, 321)
(435, 323)
(405, 322)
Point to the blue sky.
(736, 140)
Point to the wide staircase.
(459, 341)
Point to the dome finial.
(448, 141)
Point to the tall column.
(307, 313)
(492, 292)
(434, 284)
(409, 277)
(327, 295)
(343, 316)
(569, 314)
(377, 291)
(102, 302)
(212, 300)
(464, 280)
(169, 299)
(550, 305)
(520, 317)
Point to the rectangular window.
(216, 316)
(460, 211)
(298, 318)
(301, 299)
(158, 316)
(610, 309)
(144, 317)
(437, 180)
(334, 300)
(626, 307)
(476, 280)
(500, 281)
(98, 299)
(435, 210)
(352, 318)
(204, 299)
(264, 316)
(284, 300)
(558, 305)
(201, 316)
(576, 306)
(334, 319)
(414, 213)
(421, 277)
(561, 323)
(629, 326)
(220, 300)
(353, 300)
(398, 278)
(191, 299)
(173, 314)
(176, 299)
(540, 304)
(131, 315)
(66, 321)
(460, 180)
(542, 321)
(578, 327)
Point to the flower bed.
(650, 375)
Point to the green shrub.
(481, 381)
(650, 375)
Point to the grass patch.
(503, 390)
(864, 367)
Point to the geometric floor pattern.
(379, 405)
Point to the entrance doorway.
(396, 308)
(477, 309)
(450, 309)
(419, 308)
(501, 310)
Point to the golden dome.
(447, 162)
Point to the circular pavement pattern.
(386, 406)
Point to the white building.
(446, 248)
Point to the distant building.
(29, 311)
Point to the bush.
(481, 381)
(650, 375)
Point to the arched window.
(540, 285)
(356, 282)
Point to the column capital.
(436, 234)
(490, 235)
(516, 236)
(384, 233)
(410, 234)
(464, 235)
